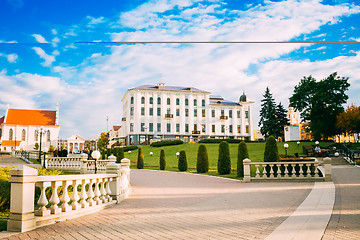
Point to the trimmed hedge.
(242, 154)
(224, 161)
(162, 160)
(271, 153)
(140, 161)
(130, 148)
(120, 155)
(182, 164)
(215, 140)
(166, 143)
(202, 163)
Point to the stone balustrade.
(63, 196)
(300, 170)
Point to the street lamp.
(286, 147)
(298, 143)
(151, 153)
(317, 143)
(41, 131)
(177, 154)
(96, 155)
(129, 152)
(45, 149)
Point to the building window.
(142, 111)
(142, 129)
(186, 112)
(151, 100)
(132, 100)
(239, 128)
(230, 113)
(151, 127)
(213, 128)
(142, 100)
(203, 113)
(195, 127)
(177, 101)
(238, 114)
(131, 127)
(246, 114)
(131, 111)
(222, 113)
(11, 134)
(159, 127)
(203, 103)
(212, 113)
(0, 132)
(186, 102)
(195, 102)
(177, 127)
(195, 112)
(186, 127)
(23, 135)
(36, 135)
(203, 127)
(230, 128)
(222, 128)
(48, 136)
(247, 128)
(159, 111)
(151, 111)
(168, 101)
(159, 100)
(177, 112)
(168, 127)
(168, 111)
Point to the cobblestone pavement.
(345, 220)
(173, 205)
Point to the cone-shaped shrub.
(120, 155)
(224, 161)
(140, 161)
(202, 164)
(162, 160)
(103, 155)
(271, 153)
(182, 164)
(242, 154)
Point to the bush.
(215, 140)
(162, 160)
(4, 189)
(120, 155)
(103, 155)
(271, 153)
(182, 164)
(202, 163)
(242, 154)
(140, 161)
(224, 161)
(130, 148)
(166, 143)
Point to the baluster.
(286, 171)
(271, 170)
(75, 196)
(293, 171)
(103, 191)
(97, 192)
(278, 170)
(91, 194)
(301, 172)
(83, 195)
(257, 171)
(54, 200)
(264, 171)
(316, 170)
(42, 211)
(65, 197)
(108, 191)
(308, 173)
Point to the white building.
(75, 144)
(115, 138)
(185, 113)
(292, 132)
(19, 129)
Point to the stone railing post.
(327, 168)
(112, 159)
(246, 163)
(125, 178)
(83, 163)
(22, 197)
(113, 168)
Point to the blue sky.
(41, 63)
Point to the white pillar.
(327, 167)
(247, 176)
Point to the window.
(195, 112)
(203, 103)
(131, 127)
(246, 114)
(151, 111)
(168, 127)
(203, 127)
(132, 100)
(186, 102)
(158, 127)
(48, 136)
(213, 128)
(239, 128)
(222, 128)
(142, 100)
(195, 102)
(203, 113)
(23, 135)
(159, 111)
(222, 113)
(151, 127)
(177, 101)
(177, 112)
(36, 135)
(177, 127)
(11, 134)
(247, 128)
(186, 127)
(195, 127)
(186, 112)
(142, 111)
(0, 132)
(151, 100)
(238, 114)
(142, 127)
(230, 113)
(159, 100)
(230, 128)
(212, 113)
(131, 111)
(168, 111)
(168, 101)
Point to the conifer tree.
(140, 161)
(224, 161)
(202, 163)
(242, 154)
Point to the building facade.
(20, 129)
(185, 113)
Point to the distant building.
(75, 144)
(258, 136)
(186, 113)
(19, 129)
(115, 138)
(292, 132)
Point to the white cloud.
(94, 21)
(11, 58)
(53, 31)
(48, 58)
(39, 38)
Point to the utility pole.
(107, 123)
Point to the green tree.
(242, 154)
(103, 141)
(348, 122)
(182, 164)
(320, 102)
(162, 160)
(140, 160)
(120, 155)
(271, 153)
(202, 163)
(36, 147)
(282, 120)
(224, 161)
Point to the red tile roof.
(30, 117)
(2, 119)
(10, 143)
(116, 128)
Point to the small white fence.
(300, 170)
(63, 196)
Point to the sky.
(45, 59)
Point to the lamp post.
(129, 152)
(96, 155)
(177, 155)
(41, 131)
(298, 143)
(286, 147)
(45, 151)
(317, 143)
(151, 153)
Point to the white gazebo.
(75, 144)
